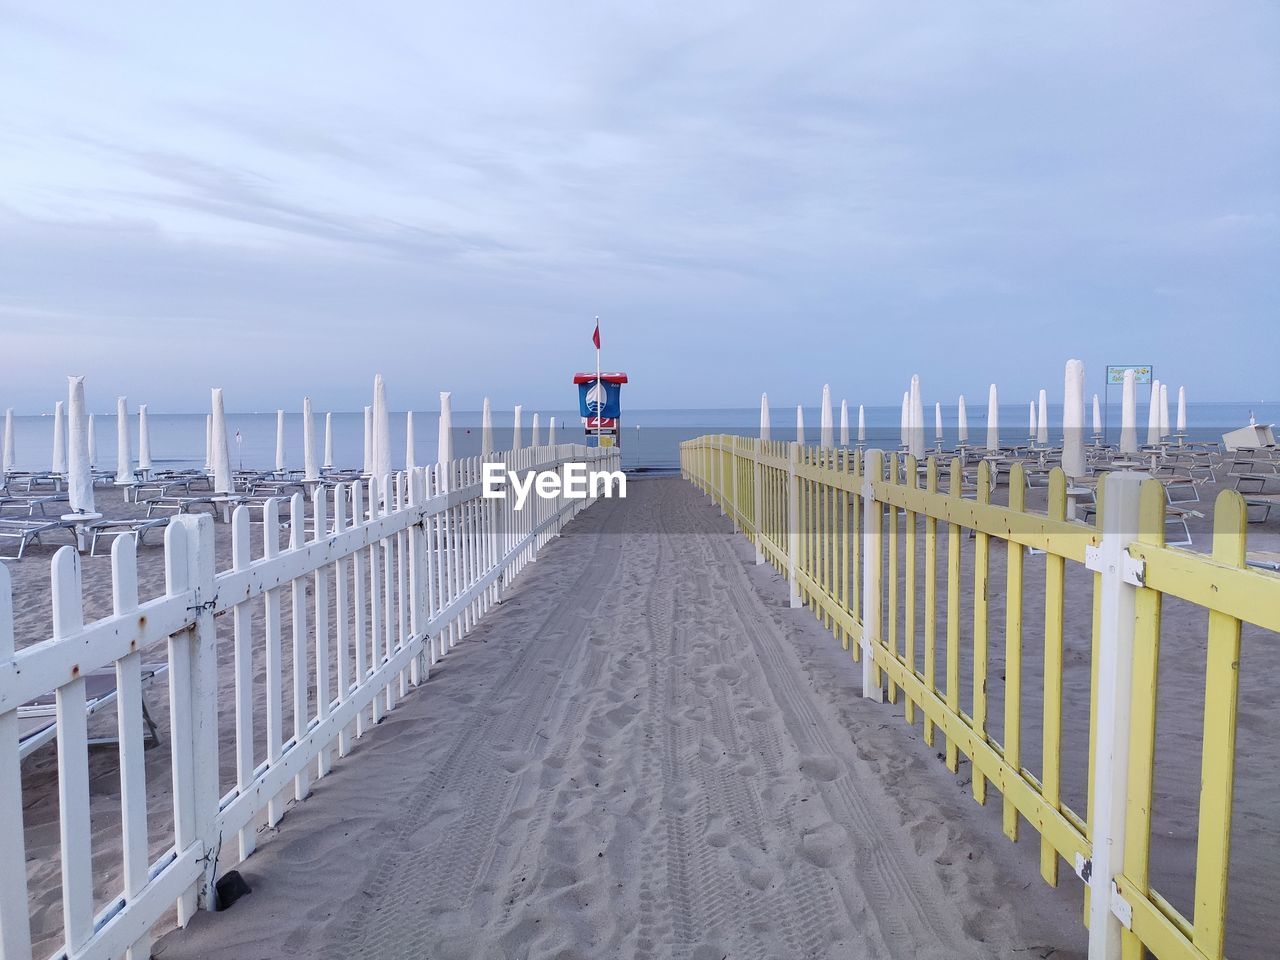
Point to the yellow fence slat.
(909, 619)
(1013, 648)
(930, 594)
(981, 564)
(1054, 593)
(953, 613)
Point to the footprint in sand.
(824, 846)
(824, 769)
(728, 671)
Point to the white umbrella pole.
(79, 476)
(1073, 420)
(328, 441)
(279, 441)
(1164, 410)
(962, 423)
(937, 422)
(381, 436)
(10, 456)
(124, 469)
(1182, 413)
(444, 439)
(93, 443)
(799, 423)
(1129, 414)
(410, 444)
(486, 428)
(826, 434)
(905, 431)
(222, 479)
(765, 428)
(208, 443)
(144, 441)
(1097, 419)
(516, 440)
(59, 464)
(1031, 423)
(993, 419)
(367, 468)
(535, 432)
(844, 423)
(1153, 415)
(1042, 420)
(916, 436)
(309, 469)
(551, 432)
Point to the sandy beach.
(644, 752)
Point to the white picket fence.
(394, 581)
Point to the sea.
(649, 439)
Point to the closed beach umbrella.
(862, 424)
(1164, 410)
(1129, 414)
(905, 431)
(1073, 420)
(59, 441)
(962, 422)
(916, 444)
(993, 419)
(222, 482)
(124, 469)
(381, 432)
(1031, 428)
(535, 431)
(1097, 416)
(208, 443)
(799, 423)
(937, 421)
(764, 417)
(516, 441)
(1042, 420)
(144, 439)
(93, 443)
(9, 453)
(309, 469)
(410, 455)
(486, 428)
(444, 442)
(844, 423)
(328, 441)
(826, 427)
(551, 432)
(79, 476)
(367, 469)
(1153, 415)
(1182, 411)
(279, 441)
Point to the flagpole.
(599, 386)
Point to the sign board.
(600, 423)
(1141, 373)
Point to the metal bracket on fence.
(1121, 907)
(1134, 572)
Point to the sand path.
(640, 753)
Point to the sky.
(283, 199)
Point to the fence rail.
(379, 579)
(843, 527)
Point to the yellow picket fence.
(843, 526)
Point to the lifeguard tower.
(600, 403)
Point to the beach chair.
(137, 528)
(1262, 503)
(27, 530)
(38, 722)
(175, 503)
(1263, 560)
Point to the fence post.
(193, 682)
(1120, 580)
(733, 484)
(793, 521)
(758, 491)
(872, 575)
(15, 925)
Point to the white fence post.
(193, 684)
(758, 492)
(793, 521)
(872, 575)
(1120, 580)
(15, 926)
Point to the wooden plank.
(1054, 593)
(1013, 647)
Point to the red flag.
(595, 337)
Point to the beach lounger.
(1175, 518)
(26, 531)
(175, 503)
(27, 505)
(137, 528)
(1263, 560)
(37, 719)
(1263, 502)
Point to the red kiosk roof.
(606, 377)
